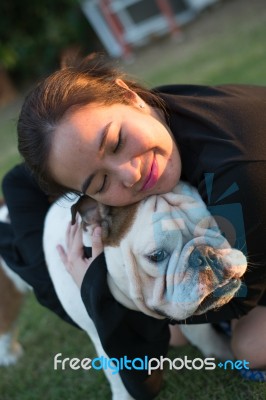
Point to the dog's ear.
(114, 221)
(92, 213)
(88, 210)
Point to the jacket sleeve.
(123, 332)
(21, 240)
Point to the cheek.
(170, 177)
(120, 198)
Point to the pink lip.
(152, 178)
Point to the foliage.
(33, 33)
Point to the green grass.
(43, 335)
(233, 51)
(8, 138)
(222, 60)
(225, 46)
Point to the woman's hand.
(73, 257)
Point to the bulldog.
(166, 257)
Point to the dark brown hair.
(90, 80)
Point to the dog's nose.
(204, 258)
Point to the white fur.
(4, 214)
(210, 343)
(10, 351)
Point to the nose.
(204, 258)
(129, 172)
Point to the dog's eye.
(158, 256)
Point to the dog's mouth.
(220, 296)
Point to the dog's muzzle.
(219, 276)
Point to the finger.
(97, 245)
(71, 229)
(70, 234)
(77, 243)
(62, 253)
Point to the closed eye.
(158, 256)
(103, 185)
(119, 143)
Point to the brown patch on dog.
(120, 219)
(10, 303)
(114, 221)
(2, 202)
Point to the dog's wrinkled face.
(172, 260)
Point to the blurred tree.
(34, 33)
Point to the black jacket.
(221, 135)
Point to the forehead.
(75, 141)
(79, 118)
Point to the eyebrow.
(103, 139)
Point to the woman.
(89, 130)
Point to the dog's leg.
(10, 303)
(118, 389)
(208, 341)
(71, 301)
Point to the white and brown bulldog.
(165, 257)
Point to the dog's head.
(166, 256)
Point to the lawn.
(225, 44)
(8, 138)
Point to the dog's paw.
(10, 351)
(219, 348)
(208, 340)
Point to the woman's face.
(116, 154)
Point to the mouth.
(152, 177)
(220, 296)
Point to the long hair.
(90, 80)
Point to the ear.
(92, 213)
(88, 210)
(122, 84)
(131, 95)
